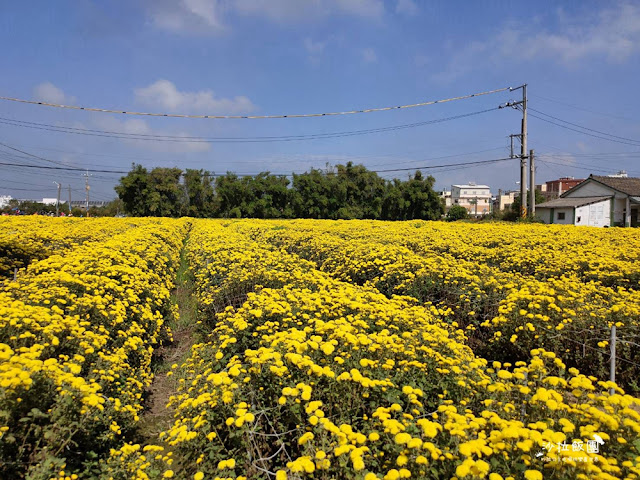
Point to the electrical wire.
(594, 169)
(577, 108)
(227, 117)
(196, 139)
(32, 155)
(464, 164)
(582, 132)
(426, 167)
(585, 128)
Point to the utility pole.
(58, 199)
(69, 198)
(521, 105)
(532, 185)
(86, 187)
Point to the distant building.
(555, 188)
(504, 200)
(475, 198)
(598, 201)
(445, 195)
(4, 200)
(92, 203)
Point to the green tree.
(199, 194)
(457, 212)
(514, 212)
(133, 190)
(157, 193)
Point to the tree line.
(341, 192)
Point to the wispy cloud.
(369, 55)
(211, 16)
(164, 94)
(407, 7)
(188, 16)
(48, 92)
(137, 126)
(612, 34)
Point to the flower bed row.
(77, 332)
(304, 375)
(505, 314)
(27, 239)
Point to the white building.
(445, 195)
(4, 200)
(475, 198)
(504, 200)
(598, 201)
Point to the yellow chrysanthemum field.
(320, 349)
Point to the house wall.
(568, 216)
(544, 214)
(594, 215)
(619, 207)
(591, 189)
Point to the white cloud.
(164, 94)
(369, 55)
(406, 7)
(421, 60)
(314, 48)
(139, 126)
(207, 16)
(612, 34)
(189, 16)
(48, 92)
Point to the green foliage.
(457, 212)
(343, 192)
(514, 213)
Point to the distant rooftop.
(566, 202)
(471, 185)
(628, 185)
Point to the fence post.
(612, 373)
(15, 273)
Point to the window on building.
(560, 215)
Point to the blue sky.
(262, 57)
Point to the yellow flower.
(532, 475)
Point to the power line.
(47, 167)
(578, 167)
(227, 117)
(585, 128)
(31, 155)
(601, 154)
(582, 132)
(196, 139)
(479, 162)
(442, 157)
(578, 108)
(427, 167)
